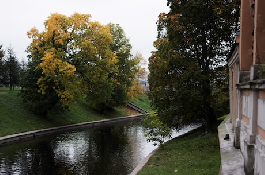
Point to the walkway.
(232, 161)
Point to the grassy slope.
(193, 153)
(143, 102)
(15, 118)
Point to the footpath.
(232, 161)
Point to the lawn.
(193, 153)
(143, 102)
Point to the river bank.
(16, 118)
(102, 138)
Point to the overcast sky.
(137, 18)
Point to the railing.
(136, 108)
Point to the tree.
(69, 58)
(2, 67)
(22, 71)
(30, 92)
(156, 131)
(136, 89)
(141, 72)
(193, 39)
(12, 68)
(126, 67)
(2, 53)
(77, 58)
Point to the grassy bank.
(194, 153)
(16, 118)
(143, 102)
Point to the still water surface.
(115, 149)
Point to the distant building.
(145, 85)
(247, 86)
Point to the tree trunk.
(209, 116)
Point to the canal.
(114, 149)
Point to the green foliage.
(12, 68)
(156, 131)
(187, 69)
(2, 66)
(262, 68)
(9, 68)
(220, 91)
(32, 98)
(2, 52)
(220, 119)
(193, 153)
(114, 91)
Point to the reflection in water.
(115, 149)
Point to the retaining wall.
(9, 139)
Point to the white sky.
(136, 17)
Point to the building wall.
(246, 37)
(247, 87)
(260, 138)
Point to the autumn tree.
(194, 38)
(75, 58)
(136, 90)
(126, 67)
(67, 59)
(141, 71)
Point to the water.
(107, 150)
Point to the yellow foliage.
(33, 33)
(135, 90)
(65, 35)
(51, 66)
(61, 72)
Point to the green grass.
(16, 118)
(220, 119)
(193, 153)
(143, 102)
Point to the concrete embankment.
(9, 139)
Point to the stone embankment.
(43, 132)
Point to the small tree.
(2, 67)
(12, 68)
(141, 71)
(157, 131)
